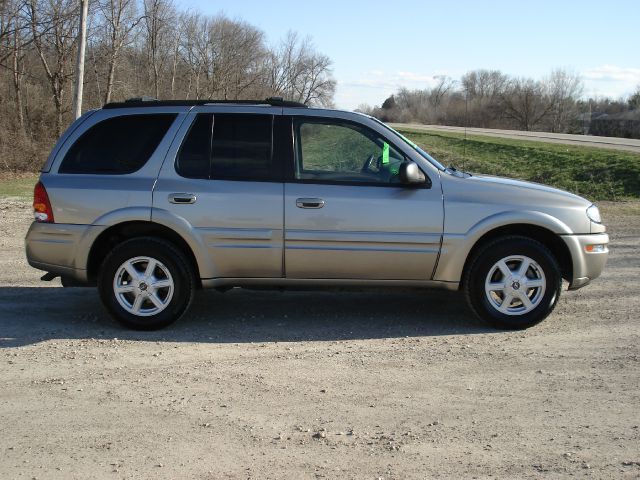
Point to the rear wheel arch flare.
(121, 232)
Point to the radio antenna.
(466, 122)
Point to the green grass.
(335, 148)
(327, 147)
(18, 186)
(594, 173)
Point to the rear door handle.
(309, 203)
(182, 198)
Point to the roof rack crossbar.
(152, 102)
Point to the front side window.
(337, 151)
(228, 147)
(117, 145)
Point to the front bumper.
(586, 265)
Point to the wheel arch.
(546, 237)
(120, 232)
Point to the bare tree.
(483, 90)
(136, 47)
(315, 85)
(13, 40)
(9, 12)
(176, 37)
(159, 16)
(412, 106)
(228, 59)
(525, 102)
(119, 19)
(53, 25)
(190, 51)
(234, 49)
(563, 89)
(299, 73)
(440, 91)
(490, 99)
(484, 84)
(283, 64)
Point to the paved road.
(627, 144)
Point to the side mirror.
(410, 174)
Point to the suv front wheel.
(146, 283)
(513, 282)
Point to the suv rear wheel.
(513, 282)
(146, 283)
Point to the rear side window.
(117, 145)
(194, 159)
(228, 147)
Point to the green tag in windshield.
(385, 153)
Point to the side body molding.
(191, 237)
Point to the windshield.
(412, 145)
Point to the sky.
(378, 47)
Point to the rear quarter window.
(117, 145)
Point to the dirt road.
(319, 385)
(627, 144)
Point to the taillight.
(42, 210)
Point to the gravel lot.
(319, 385)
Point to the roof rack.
(152, 102)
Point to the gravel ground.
(299, 385)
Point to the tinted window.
(241, 146)
(344, 152)
(117, 145)
(195, 153)
(228, 146)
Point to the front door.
(347, 216)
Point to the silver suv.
(152, 200)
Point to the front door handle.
(182, 198)
(309, 203)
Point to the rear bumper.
(586, 265)
(62, 249)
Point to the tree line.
(135, 48)
(492, 99)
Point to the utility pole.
(82, 43)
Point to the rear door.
(347, 216)
(226, 186)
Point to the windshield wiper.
(458, 173)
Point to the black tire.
(171, 260)
(485, 305)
